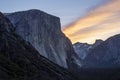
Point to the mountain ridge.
(19, 60)
(83, 49)
(107, 54)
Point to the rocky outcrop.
(20, 61)
(83, 49)
(43, 31)
(97, 42)
(105, 55)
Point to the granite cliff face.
(20, 61)
(43, 31)
(105, 55)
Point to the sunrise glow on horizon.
(86, 20)
(99, 23)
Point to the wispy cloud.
(99, 23)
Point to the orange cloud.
(100, 23)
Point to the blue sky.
(67, 10)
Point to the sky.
(81, 20)
(67, 10)
(101, 22)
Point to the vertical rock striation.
(19, 60)
(43, 31)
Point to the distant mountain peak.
(107, 54)
(98, 41)
(83, 49)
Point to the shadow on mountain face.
(19, 60)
